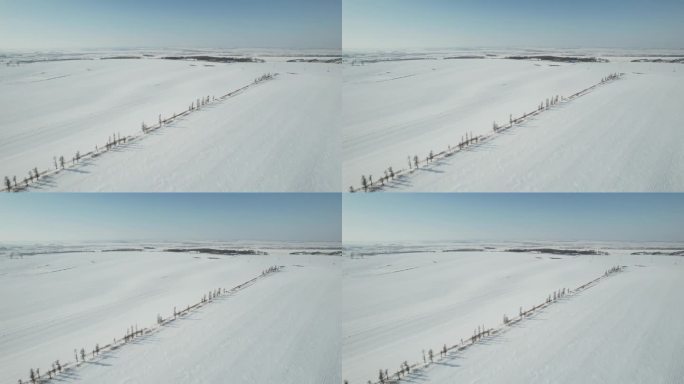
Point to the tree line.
(133, 332)
(368, 185)
(481, 332)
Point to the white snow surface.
(624, 136)
(625, 329)
(284, 328)
(282, 135)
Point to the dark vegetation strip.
(331, 253)
(215, 251)
(660, 253)
(216, 59)
(670, 61)
(561, 59)
(558, 251)
(337, 60)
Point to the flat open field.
(279, 135)
(622, 136)
(623, 329)
(283, 327)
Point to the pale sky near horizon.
(409, 217)
(72, 24)
(407, 24)
(170, 216)
(331, 217)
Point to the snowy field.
(283, 328)
(280, 135)
(623, 136)
(623, 329)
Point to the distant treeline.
(214, 251)
(656, 253)
(557, 251)
(216, 59)
(331, 253)
(464, 250)
(123, 250)
(561, 59)
(679, 60)
(337, 60)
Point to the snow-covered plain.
(284, 328)
(621, 137)
(280, 136)
(624, 329)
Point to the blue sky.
(170, 216)
(397, 24)
(515, 216)
(62, 24)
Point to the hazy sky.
(46, 24)
(396, 24)
(170, 216)
(515, 216)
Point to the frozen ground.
(397, 305)
(622, 137)
(284, 328)
(278, 136)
